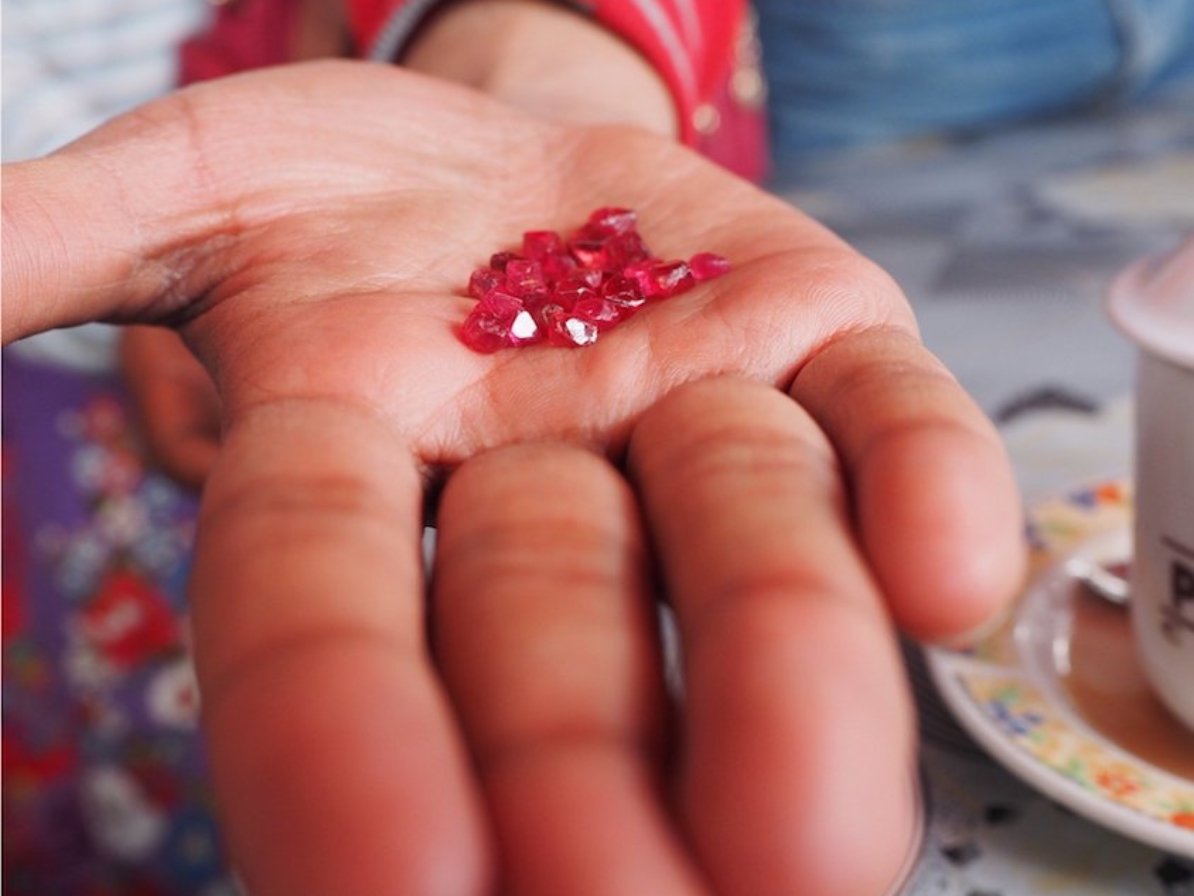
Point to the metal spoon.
(1101, 581)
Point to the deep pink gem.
(668, 278)
(483, 333)
(499, 260)
(622, 291)
(525, 277)
(610, 221)
(592, 276)
(624, 249)
(639, 274)
(538, 244)
(483, 281)
(707, 265)
(501, 306)
(564, 328)
(557, 267)
(568, 292)
(588, 251)
(600, 312)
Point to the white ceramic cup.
(1153, 303)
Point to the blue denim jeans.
(850, 71)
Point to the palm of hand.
(357, 294)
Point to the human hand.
(317, 276)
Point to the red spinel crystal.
(499, 260)
(707, 265)
(525, 277)
(624, 249)
(483, 333)
(589, 252)
(622, 291)
(501, 306)
(539, 244)
(563, 328)
(483, 281)
(667, 279)
(611, 221)
(568, 292)
(557, 267)
(600, 312)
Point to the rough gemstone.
(610, 221)
(568, 292)
(501, 306)
(600, 312)
(589, 252)
(667, 279)
(639, 274)
(499, 260)
(524, 277)
(707, 265)
(557, 267)
(563, 328)
(624, 249)
(483, 333)
(539, 244)
(483, 281)
(622, 291)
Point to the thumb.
(108, 227)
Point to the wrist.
(546, 59)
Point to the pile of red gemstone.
(567, 292)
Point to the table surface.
(1005, 244)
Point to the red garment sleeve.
(704, 50)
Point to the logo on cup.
(1178, 614)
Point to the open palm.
(331, 215)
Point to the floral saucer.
(1057, 695)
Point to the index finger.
(334, 755)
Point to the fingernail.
(975, 636)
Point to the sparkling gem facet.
(563, 328)
(524, 330)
